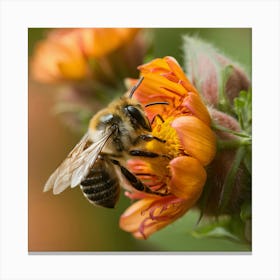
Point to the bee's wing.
(77, 164)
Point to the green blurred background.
(67, 222)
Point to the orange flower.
(164, 80)
(71, 54)
(184, 116)
(178, 173)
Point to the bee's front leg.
(133, 180)
(141, 153)
(147, 138)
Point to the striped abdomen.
(101, 186)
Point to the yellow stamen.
(165, 131)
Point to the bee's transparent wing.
(77, 164)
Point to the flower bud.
(212, 73)
(218, 173)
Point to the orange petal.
(194, 103)
(187, 178)
(148, 215)
(158, 82)
(177, 70)
(157, 65)
(138, 165)
(152, 228)
(197, 139)
(133, 216)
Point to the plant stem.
(224, 129)
(230, 178)
(232, 144)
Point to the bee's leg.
(148, 138)
(140, 153)
(133, 180)
(157, 116)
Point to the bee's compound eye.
(137, 117)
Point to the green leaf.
(216, 231)
(228, 227)
(248, 159)
(246, 218)
(246, 211)
(243, 110)
(178, 237)
(230, 178)
(223, 76)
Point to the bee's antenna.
(134, 88)
(156, 103)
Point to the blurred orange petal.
(73, 69)
(66, 53)
(99, 41)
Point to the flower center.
(159, 173)
(163, 130)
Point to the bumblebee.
(93, 162)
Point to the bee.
(93, 162)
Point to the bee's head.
(135, 112)
(136, 116)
